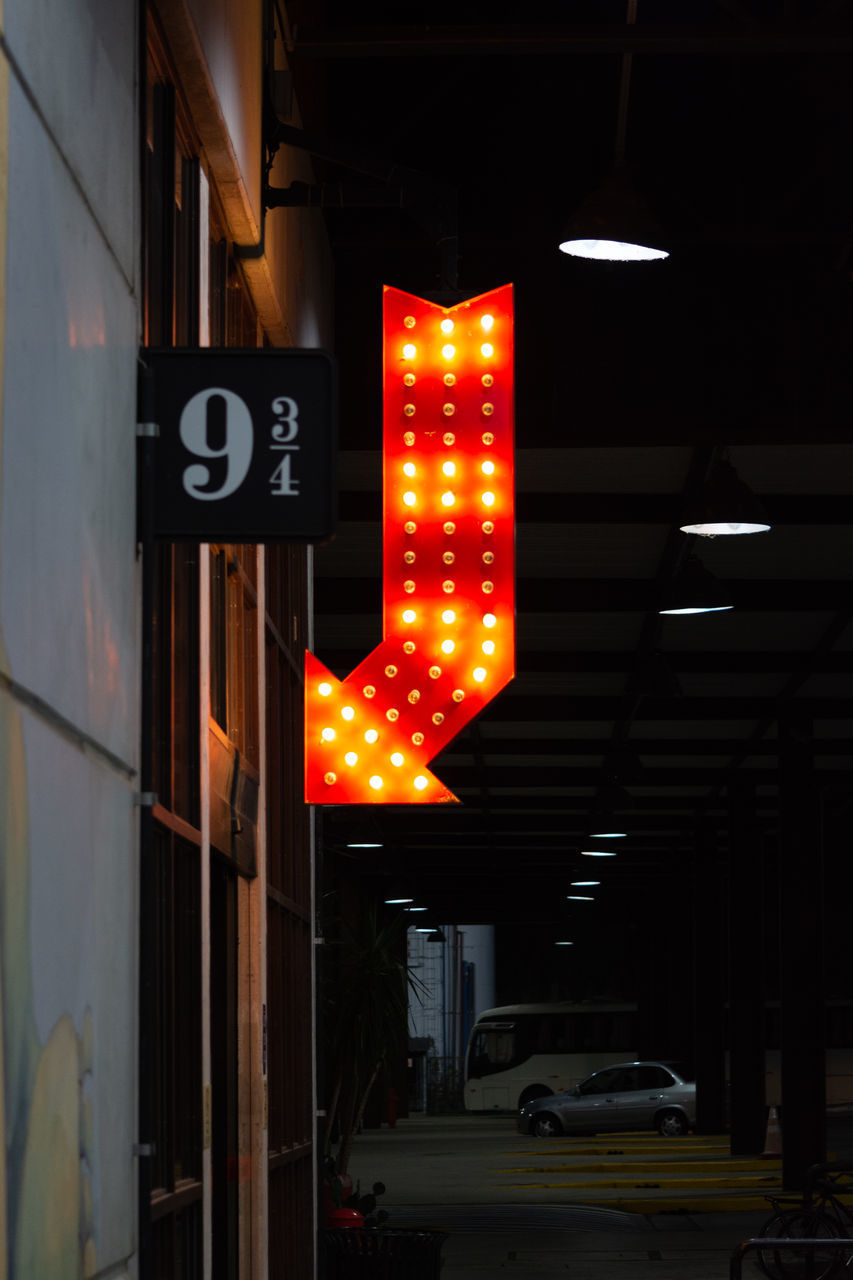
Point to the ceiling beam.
(551, 40)
(567, 508)
(602, 661)
(592, 595)
(512, 707)
(559, 749)
(523, 773)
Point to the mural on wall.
(46, 1122)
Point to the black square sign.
(244, 443)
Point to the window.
(603, 1082)
(289, 920)
(654, 1077)
(170, 926)
(493, 1051)
(172, 966)
(176, 922)
(175, 663)
(233, 647)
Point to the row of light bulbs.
(429, 470)
(372, 735)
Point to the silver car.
(628, 1095)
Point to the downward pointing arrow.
(448, 565)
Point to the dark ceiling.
(631, 380)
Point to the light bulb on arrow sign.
(448, 585)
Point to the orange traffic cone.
(773, 1140)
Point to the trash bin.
(386, 1253)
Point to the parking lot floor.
(616, 1207)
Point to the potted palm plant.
(367, 988)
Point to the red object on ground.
(345, 1218)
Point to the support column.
(709, 976)
(746, 968)
(801, 954)
(666, 993)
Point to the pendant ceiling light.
(614, 223)
(695, 590)
(602, 824)
(724, 505)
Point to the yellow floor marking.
(770, 1180)
(688, 1205)
(614, 1151)
(688, 1166)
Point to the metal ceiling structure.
(631, 381)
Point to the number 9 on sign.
(231, 415)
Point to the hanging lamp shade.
(602, 824)
(615, 224)
(695, 590)
(724, 505)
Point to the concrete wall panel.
(68, 573)
(78, 61)
(81, 982)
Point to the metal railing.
(787, 1242)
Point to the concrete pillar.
(709, 978)
(746, 1036)
(801, 953)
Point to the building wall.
(454, 982)
(232, 1190)
(85, 918)
(69, 636)
(436, 965)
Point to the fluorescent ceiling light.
(695, 590)
(725, 505)
(612, 251)
(614, 224)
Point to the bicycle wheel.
(800, 1262)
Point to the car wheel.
(671, 1124)
(546, 1125)
(532, 1093)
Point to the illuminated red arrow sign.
(448, 574)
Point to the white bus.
(524, 1051)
